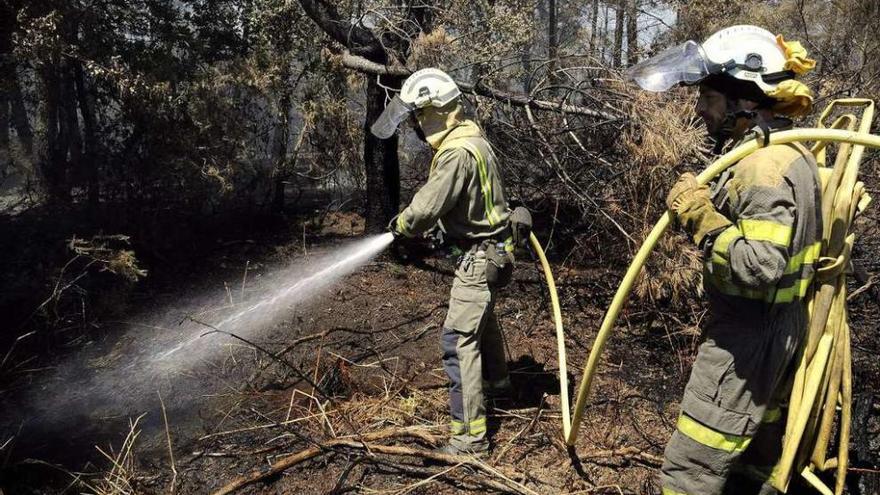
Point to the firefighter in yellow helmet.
(464, 196)
(759, 228)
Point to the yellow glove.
(692, 205)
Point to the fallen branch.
(361, 64)
(464, 483)
(506, 484)
(625, 453)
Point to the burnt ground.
(371, 347)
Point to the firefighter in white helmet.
(759, 228)
(464, 196)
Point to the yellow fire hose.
(824, 374)
(560, 335)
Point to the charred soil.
(347, 393)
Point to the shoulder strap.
(482, 172)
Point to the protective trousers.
(729, 433)
(473, 351)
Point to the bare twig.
(291, 460)
(247, 264)
(168, 439)
(361, 64)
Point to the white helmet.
(424, 88)
(746, 53)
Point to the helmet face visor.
(396, 112)
(682, 64)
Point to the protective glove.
(393, 228)
(692, 205)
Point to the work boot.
(476, 450)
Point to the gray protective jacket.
(464, 192)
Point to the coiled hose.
(814, 377)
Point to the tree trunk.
(7, 74)
(594, 25)
(283, 138)
(12, 107)
(552, 39)
(70, 118)
(90, 148)
(604, 40)
(53, 162)
(20, 121)
(381, 164)
(632, 32)
(5, 152)
(617, 54)
(69, 122)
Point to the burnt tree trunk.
(594, 26)
(7, 74)
(53, 162)
(90, 141)
(69, 123)
(5, 152)
(20, 121)
(69, 117)
(14, 113)
(632, 32)
(606, 18)
(552, 39)
(619, 11)
(381, 163)
(283, 138)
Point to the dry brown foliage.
(110, 253)
(119, 478)
(664, 136)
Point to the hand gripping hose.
(824, 366)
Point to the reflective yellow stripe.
(796, 291)
(711, 438)
(485, 183)
(401, 225)
(763, 474)
(759, 230)
(766, 230)
(721, 246)
(780, 295)
(456, 427)
(772, 415)
(806, 256)
(669, 491)
(477, 426)
(508, 245)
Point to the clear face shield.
(682, 64)
(396, 112)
